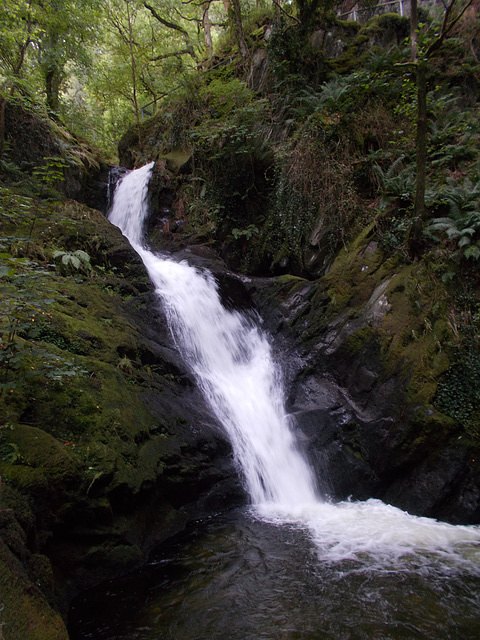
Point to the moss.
(41, 461)
(176, 159)
(120, 558)
(356, 272)
(26, 613)
(356, 342)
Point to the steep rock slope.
(106, 447)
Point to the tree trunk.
(413, 29)
(3, 104)
(238, 28)
(207, 29)
(421, 141)
(52, 89)
(134, 71)
(278, 14)
(415, 236)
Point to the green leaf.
(473, 251)
(82, 255)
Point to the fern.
(397, 183)
(331, 94)
(463, 224)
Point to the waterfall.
(230, 358)
(232, 362)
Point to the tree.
(207, 27)
(64, 40)
(176, 27)
(18, 30)
(235, 12)
(38, 39)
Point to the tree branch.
(172, 54)
(446, 27)
(172, 25)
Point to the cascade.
(232, 362)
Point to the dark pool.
(234, 577)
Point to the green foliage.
(70, 263)
(9, 451)
(453, 135)
(221, 96)
(462, 227)
(393, 237)
(396, 184)
(313, 193)
(458, 393)
(247, 233)
(21, 358)
(14, 208)
(50, 173)
(332, 95)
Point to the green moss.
(41, 460)
(357, 270)
(356, 342)
(176, 159)
(26, 613)
(120, 558)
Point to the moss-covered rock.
(96, 415)
(26, 612)
(375, 343)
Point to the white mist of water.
(232, 362)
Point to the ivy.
(9, 451)
(23, 306)
(458, 393)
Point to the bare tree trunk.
(415, 239)
(421, 135)
(207, 29)
(413, 29)
(52, 89)
(421, 141)
(278, 12)
(238, 28)
(176, 27)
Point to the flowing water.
(292, 565)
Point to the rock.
(355, 364)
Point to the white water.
(232, 362)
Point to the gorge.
(252, 409)
(392, 551)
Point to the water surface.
(235, 577)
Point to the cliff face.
(300, 175)
(365, 353)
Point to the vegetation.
(341, 157)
